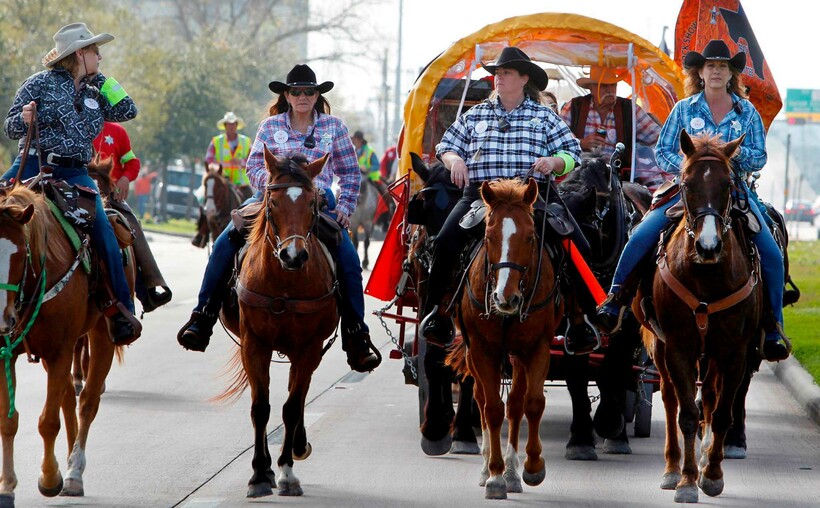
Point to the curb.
(800, 384)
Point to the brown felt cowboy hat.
(301, 76)
(599, 75)
(69, 39)
(716, 50)
(513, 58)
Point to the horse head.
(100, 170)
(509, 240)
(590, 196)
(291, 208)
(14, 216)
(706, 192)
(439, 194)
(216, 188)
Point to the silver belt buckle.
(50, 159)
(32, 151)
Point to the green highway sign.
(802, 101)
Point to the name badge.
(280, 137)
(736, 126)
(91, 103)
(327, 138)
(697, 123)
(481, 127)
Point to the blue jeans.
(102, 234)
(225, 249)
(648, 233)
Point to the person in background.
(549, 100)
(230, 149)
(143, 186)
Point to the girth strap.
(280, 304)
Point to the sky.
(430, 26)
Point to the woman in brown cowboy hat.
(72, 99)
(299, 121)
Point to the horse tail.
(119, 354)
(649, 338)
(238, 382)
(457, 358)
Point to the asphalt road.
(159, 441)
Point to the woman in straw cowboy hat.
(72, 99)
(300, 122)
(716, 103)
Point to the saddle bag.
(557, 217)
(241, 217)
(77, 203)
(474, 216)
(328, 231)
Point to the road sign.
(803, 103)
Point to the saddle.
(557, 216)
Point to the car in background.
(800, 210)
(181, 185)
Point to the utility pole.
(385, 102)
(786, 184)
(397, 90)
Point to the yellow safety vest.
(366, 166)
(223, 155)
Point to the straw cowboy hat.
(716, 50)
(230, 117)
(513, 58)
(69, 39)
(599, 75)
(301, 76)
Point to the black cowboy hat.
(300, 76)
(513, 58)
(716, 50)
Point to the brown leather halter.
(280, 243)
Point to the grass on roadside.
(803, 318)
(177, 226)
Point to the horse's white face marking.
(709, 232)
(7, 250)
(210, 204)
(291, 250)
(294, 193)
(508, 229)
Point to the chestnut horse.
(221, 196)
(707, 303)
(287, 303)
(42, 286)
(510, 308)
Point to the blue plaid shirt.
(534, 131)
(693, 114)
(331, 136)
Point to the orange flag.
(388, 268)
(700, 21)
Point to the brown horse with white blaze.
(509, 308)
(287, 303)
(707, 303)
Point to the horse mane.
(39, 225)
(292, 166)
(510, 193)
(705, 144)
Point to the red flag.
(700, 21)
(388, 268)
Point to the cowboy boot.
(195, 335)
(149, 277)
(362, 356)
(123, 326)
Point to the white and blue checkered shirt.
(492, 151)
(693, 114)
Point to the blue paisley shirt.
(68, 119)
(693, 114)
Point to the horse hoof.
(435, 448)
(482, 478)
(7, 500)
(72, 488)
(514, 486)
(617, 447)
(496, 488)
(734, 452)
(50, 491)
(308, 451)
(686, 494)
(581, 453)
(465, 448)
(260, 490)
(271, 476)
(533, 479)
(670, 481)
(290, 489)
(711, 488)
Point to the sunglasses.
(310, 92)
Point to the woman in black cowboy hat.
(715, 102)
(300, 122)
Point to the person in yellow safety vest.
(368, 161)
(230, 149)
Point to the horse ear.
(531, 194)
(19, 214)
(686, 145)
(419, 167)
(27, 214)
(487, 193)
(732, 146)
(270, 161)
(315, 167)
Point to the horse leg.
(367, 231)
(77, 367)
(464, 439)
(671, 453)
(50, 482)
(535, 470)
(478, 393)
(735, 445)
(100, 351)
(581, 445)
(8, 430)
(708, 396)
(729, 378)
(515, 413)
(435, 430)
(682, 365)
(256, 361)
(488, 375)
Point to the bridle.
(281, 243)
(693, 216)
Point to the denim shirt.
(68, 119)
